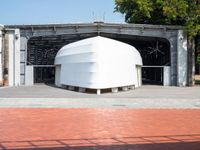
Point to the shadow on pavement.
(172, 142)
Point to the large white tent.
(98, 63)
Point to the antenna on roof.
(98, 18)
(104, 16)
(93, 16)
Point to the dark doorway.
(152, 75)
(43, 49)
(44, 74)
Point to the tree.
(165, 12)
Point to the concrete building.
(27, 52)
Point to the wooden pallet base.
(99, 91)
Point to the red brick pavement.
(106, 129)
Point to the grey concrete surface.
(45, 96)
(98, 103)
(150, 92)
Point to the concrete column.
(26, 71)
(6, 59)
(11, 60)
(29, 75)
(139, 76)
(182, 62)
(166, 74)
(12, 57)
(16, 57)
(57, 76)
(191, 62)
(23, 57)
(173, 52)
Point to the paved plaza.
(42, 117)
(146, 92)
(99, 129)
(45, 96)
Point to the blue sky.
(58, 11)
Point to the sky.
(58, 11)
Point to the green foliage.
(178, 11)
(135, 10)
(167, 12)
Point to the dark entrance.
(154, 51)
(152, 75)
(44, 74)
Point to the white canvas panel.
(98, 63)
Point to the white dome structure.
(98, 63)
